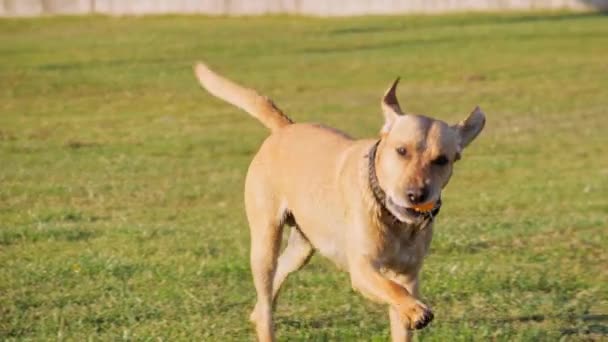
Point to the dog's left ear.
(469, 128)
(390, 108)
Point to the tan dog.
(368, 205)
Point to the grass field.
(121, 213)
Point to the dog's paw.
(416, 316)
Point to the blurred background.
(121, 207)
(302, 7)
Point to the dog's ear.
(390, 107)
(469, 128)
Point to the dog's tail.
(247, 99)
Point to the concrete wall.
(305, 7)
(43, 7)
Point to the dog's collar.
(380, 195)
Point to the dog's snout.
(417, 195)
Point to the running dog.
(368, 205)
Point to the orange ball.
(425, 207)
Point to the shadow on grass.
(168, 63)
(596, 324)
(452, 39)
(592, 329)
(537, 318)
(472, 21)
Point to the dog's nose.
(417, 195)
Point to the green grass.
(121, 213)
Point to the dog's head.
(416, 155)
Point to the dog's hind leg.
(265, 242)
(295, 255)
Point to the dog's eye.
(401, 150)
(441, 160)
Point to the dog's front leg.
(371, 283)
(399, 331)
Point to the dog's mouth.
(409, 214)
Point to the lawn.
(121, 209)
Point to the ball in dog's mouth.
(409, 214)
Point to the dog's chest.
(405, 248)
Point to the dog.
(368, 205)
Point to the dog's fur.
(317, 180)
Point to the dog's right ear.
(390, 108)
